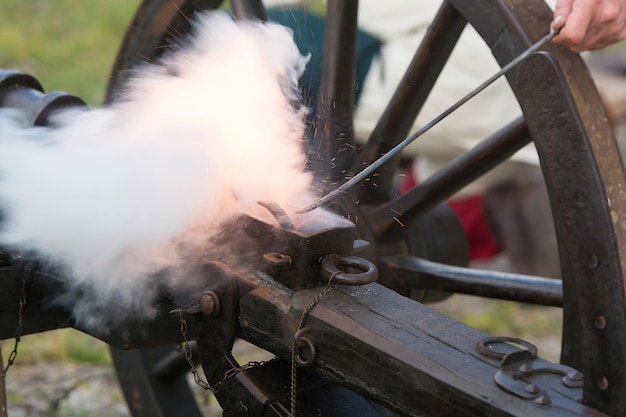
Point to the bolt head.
(532, 389)
(575, 376)
(210, 304)
(526, 368)
(543, 400)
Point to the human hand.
(589, 24)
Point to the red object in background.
(470, 210)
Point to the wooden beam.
(399, 352)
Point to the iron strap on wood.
(419, 353)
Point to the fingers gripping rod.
(386, 157)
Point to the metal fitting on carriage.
(525, 375)
(292, 254)
(304, 348)
(348, 270)
(24, 92)
(209, 306)
(277, 259)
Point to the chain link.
(294, 349)
(232, 372)
(188, 352)
(20, 315)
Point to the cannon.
(360, 347)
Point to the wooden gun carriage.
(365, 348)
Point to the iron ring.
(339, 270)
(482, 348)
(302, 340)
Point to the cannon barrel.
(24, 92)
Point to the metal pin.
(209, 305)
(195, 309)
(386, 157)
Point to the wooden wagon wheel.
(564, 116)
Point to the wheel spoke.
(416, 273)
(148, 394)
(249, 10)
(173, 364)
(452, 178)
(333, 148)
(408, 99)
(161, 24)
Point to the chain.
(20, 314)
(189, 356)
(188, 352)
(194, 370)
(294, 352)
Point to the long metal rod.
(425, 274)
(380, 161)
(460, 172)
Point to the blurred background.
(70, 45)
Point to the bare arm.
(589, 24)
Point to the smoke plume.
(111, 194)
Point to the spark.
(182, 14)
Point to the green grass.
(67, 45)
(65, 345)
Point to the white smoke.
(110, 193)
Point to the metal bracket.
(216, 332)
(518, 368)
